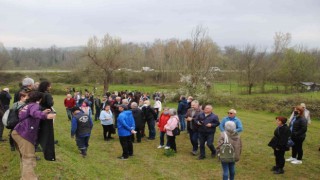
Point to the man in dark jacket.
(207, 122)
(27, 84)
(137, 115)
(149, 116)
(192, 127)
(5, 102)
(182, 110)
(81, 126)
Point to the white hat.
(232, 111)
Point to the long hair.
(43, 86)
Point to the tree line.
(190, 60)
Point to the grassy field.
(149, 162)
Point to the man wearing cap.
(81, 126)
(231, 117)
(126, 127)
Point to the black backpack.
(11, 117)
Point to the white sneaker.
(167, 147)
(296, 162)
(159, 147)
(291, 159)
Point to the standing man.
(27, 85)
(5, 102)
(126, 127)
(69, 103)
(192, 126)
(231, 117)
(182, 110)
(97, 104)
(207, 122)
(137, 115)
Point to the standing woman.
(169, 127)
(46, 133)
(25, 133)
(235, 140)
(298, 127)
(106, 118)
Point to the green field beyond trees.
(149, 162)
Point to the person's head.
(190, 99)
(122, 107)
(280, 120)
(208, 109)
(232, 113)
(298, 110)
(303, 105)
(69, 96)
(134, 105)
(44, 86)
(28, 82)
(125, 101)
(182, 98)
(146, 102)
(230, 126)
(23, 95)
(84, 104)
(6, 90)
(172, 112)
(36, 85)
(118, 98)
(195, 104)
(75, 110)
(107, 107)
(34, 96)
(166, 110)
(141, 102)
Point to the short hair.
(125, 101)
(34, 96)
(195, 102)
(172, 112)
(230, 126)
(134, 105)
(27, 81)
(282, 119)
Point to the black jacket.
(299, 129)
(137, 115)
(204, 120)
(280, 138)
(148, 113)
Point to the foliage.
(169, 152)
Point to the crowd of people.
(128, 114)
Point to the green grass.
(149, 162)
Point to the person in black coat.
(149, 116)
(137, 115)
(46, 131)
(279, 144)
(298, 127)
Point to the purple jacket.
(30, 117)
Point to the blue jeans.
(152, 129)
(194, 137)
(162, 134)
(83, 142)
(182, 122)
(228, 168)
(206, 137)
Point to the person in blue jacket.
(182, 111)
(126, 127)
(81, 126)
(231, 117)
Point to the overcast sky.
(64, 23)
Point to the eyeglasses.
(230, 113)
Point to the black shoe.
(279, 171)
(201, 157)
(110, 138)
(130, 154)
(122, 158)
(151, 138)
(274, 168)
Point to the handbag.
(176, 131)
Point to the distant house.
(307, 86)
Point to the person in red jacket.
(164, 117)
(69, 103)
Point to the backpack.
(11, 117)
(227, 153)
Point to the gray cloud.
(42, 23)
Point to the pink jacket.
(171, 124)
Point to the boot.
(279, 171)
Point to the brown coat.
(235, 141)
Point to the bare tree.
(251, 65)
(4, 56)
(105, 55)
